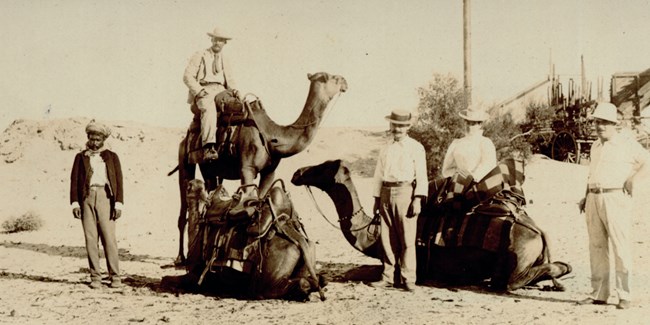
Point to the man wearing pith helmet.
(208, 73)
(400, 185)
(616, 160)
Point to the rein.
(325, 114)
(311, 194)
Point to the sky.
(123, 60)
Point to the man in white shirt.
(400, 185)
(207, 74)
(615, 162)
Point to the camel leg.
(186, 172)
(547, 271)
(247, 176)
(266, 179)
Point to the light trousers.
(208, 112)
(398, 233)
(96, 213)
(609, 221)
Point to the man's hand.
(117, 213)
(201, 93)
(76, 212)
(375, 207)
(416, 208)
(628, 186)
(237, 94)
(581, 205)
(464, 173)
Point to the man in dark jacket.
(96, 197)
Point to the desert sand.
(44, 279)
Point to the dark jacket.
(80, 177)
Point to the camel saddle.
(232, 114)
(232, 227)
(223, 209)
(486, 226)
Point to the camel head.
(324, 175)
(196, 191)
(327, 85)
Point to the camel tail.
(173, 171)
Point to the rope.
(326, 114)
(340, 219)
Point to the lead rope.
(331, 223)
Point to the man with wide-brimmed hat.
(97, 198)
(615, 162)
(473, 154)
(208, 73)
(400, 185)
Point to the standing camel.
(524, 260)
(258, 148)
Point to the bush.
(504, 133)
(538, 125)
(29, 221)
(438, 123)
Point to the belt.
(396, 184)
(209, 83)
(597, 190)
(97, 185)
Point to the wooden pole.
(583, 78)
(467, 54)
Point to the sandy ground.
(43, 274)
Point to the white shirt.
(98, 167)
(402, 161)
(614, 161)
(98, 176)
(473, 153)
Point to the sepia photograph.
(324, 162)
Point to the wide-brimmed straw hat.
(401, 117)
(605, 111)
(474, 115)
(218, 33)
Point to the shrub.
(438, 123)
(29, 221)
(504, 132)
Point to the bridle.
(354, 214)
(327, 112)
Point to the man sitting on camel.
(208, 74)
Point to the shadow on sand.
(78, 251)
(348, 272)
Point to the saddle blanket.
(473, 230)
